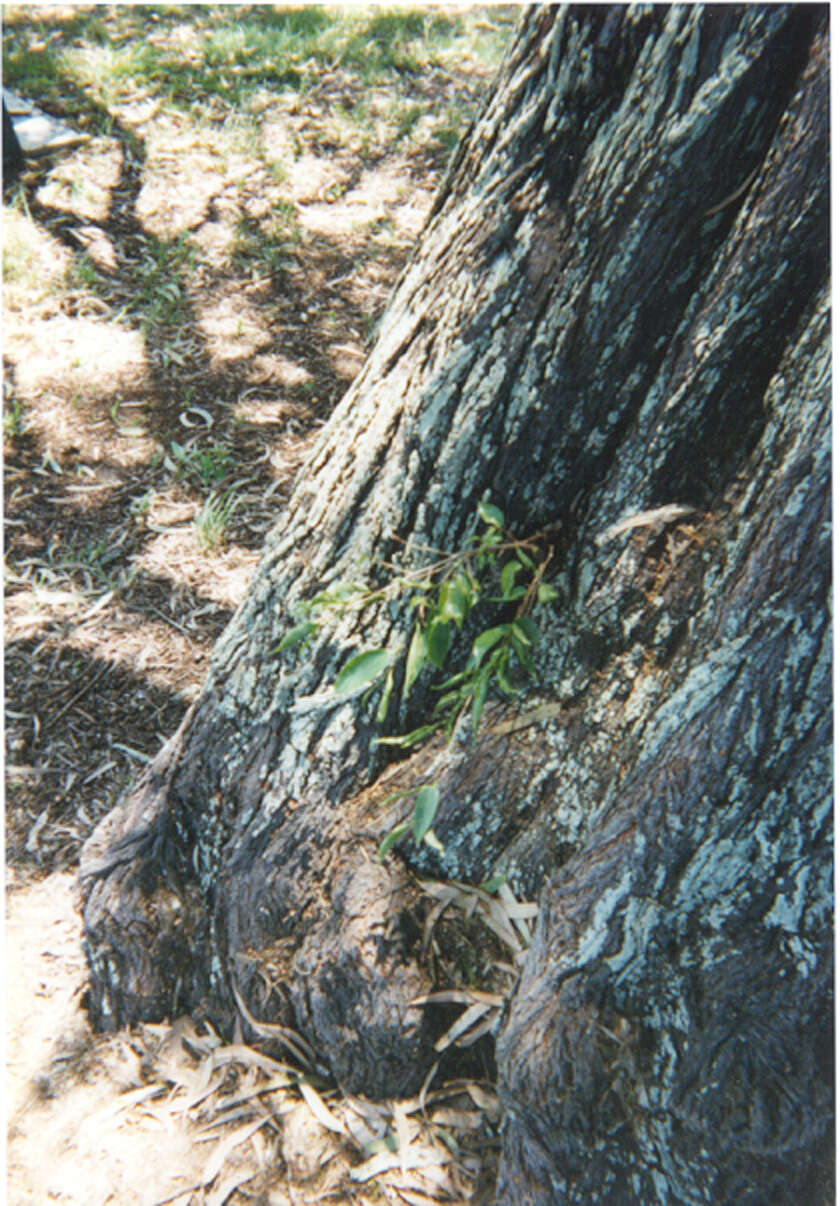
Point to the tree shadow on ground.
(105, 490)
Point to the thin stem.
(533, 586)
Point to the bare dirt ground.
(184, 304)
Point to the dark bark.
(619, 303)
(12, 154)
(670, 1039)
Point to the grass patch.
(83, 563)
(161, 295)
(82, 273)
(209, 464)
(110, 71)
(186, 54)
(14, 419)
(265, 244)
(212, 522)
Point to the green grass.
(447, 132)
(209, 464)
(161, 297)
(82, 273)
(189, 54)
(94, 558)
(221, 67)
(212, 522)
(265, 244)
(14, 419)
(161, 271)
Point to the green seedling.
(497, 574)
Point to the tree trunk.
(619, 303)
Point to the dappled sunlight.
(349, 220)
(232, 328)
(33, 263)
(28, 612)
(79, 1143)
(266, 412)
(146, 645)
(347, 359)
(181, 176)
(372, 283)
(82, 355)
(99, 246)
(191, 173)
(216, 240)
(311, 177)
(278, 369)
(276, 134)
(166, 208)
(176, 556)
(177, 330)
(82, 183)
(186, 39)
(330, 208)
(410, 216)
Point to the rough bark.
(618, 303)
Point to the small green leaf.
(486, 640)
(362, 670)
(446, 701)
(382, 710)
(388, 1143)
(408, 739)
(454, 717)
(393, 837)
(546, 593)
(480, 696)
(493, 884)
(491, 515)
(455, 600)
(516, 592)
(524, 655)
(438, 636)
(295, 635)
(509, 577)
(525, 559)
(415, 659)
(502, 681)
(454, 681)
(525, 625)
(425, 807)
